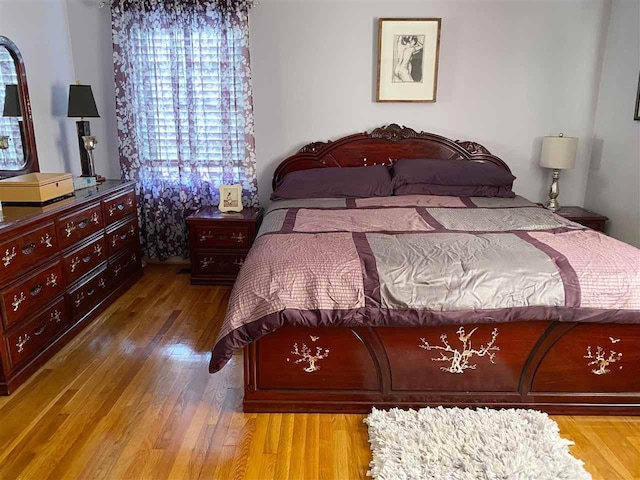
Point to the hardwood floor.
(131, 397)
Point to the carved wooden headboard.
(383, 146)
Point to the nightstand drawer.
(30, 339)
(230, 236)
(217, 263)
(32, 294)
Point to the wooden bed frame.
(558, 367)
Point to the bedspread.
(424, 260)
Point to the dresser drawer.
(32, 294)
(119, 206)
(24, 251)
(85, 259)
(122, 236)
(218, 263)
(229, 236)
(86, 296)
(123, 265)
(27, 341)
(78, 225)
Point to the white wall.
(39, 29)
(510, 72)
(92, 51)
(614, 179)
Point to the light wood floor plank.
(131, 398)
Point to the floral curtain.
(184, 109)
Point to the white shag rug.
(467, 444)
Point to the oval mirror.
(17, 141)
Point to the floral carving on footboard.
(601, 360)
(459, 358)
(306, 356)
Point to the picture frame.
(230, 198)
(408, 57)
(636, 113)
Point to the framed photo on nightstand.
(230, 198)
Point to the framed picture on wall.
(230, 198)
(408, 51)
(636, 115)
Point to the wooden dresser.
(60, 265)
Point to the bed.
(344, 304)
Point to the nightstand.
(584, 217)
(219, 243)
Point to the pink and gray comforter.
(425, 260)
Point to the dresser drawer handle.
(239, 262)
(18, 300)
(8, 256)
(123, 235)
(238, 237)
(83, 223)
(55, 315)
(28, 249)
(91, 292)
(35, 290)
(46, 240)
(86, 258)
(41, 330)
(22, 342)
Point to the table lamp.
(82, 105)
(12, 108)
(558, 153)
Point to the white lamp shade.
(558, 152)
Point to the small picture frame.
(408, 54)
(230, 198)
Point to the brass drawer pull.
(41, 330)
(28, 249)
(8, 256)
(21, 343)
(35, 290)
(46, 240)
(17, 301)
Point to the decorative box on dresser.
(61, 264)
(219, 243)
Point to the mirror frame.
(30, 152)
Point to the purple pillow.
(335, 182)
(438, 174)
(454, 190)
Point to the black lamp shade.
(11, 102)
(81, 102)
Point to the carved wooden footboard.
(565, 368)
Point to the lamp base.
(84, 129)
(554, 192)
